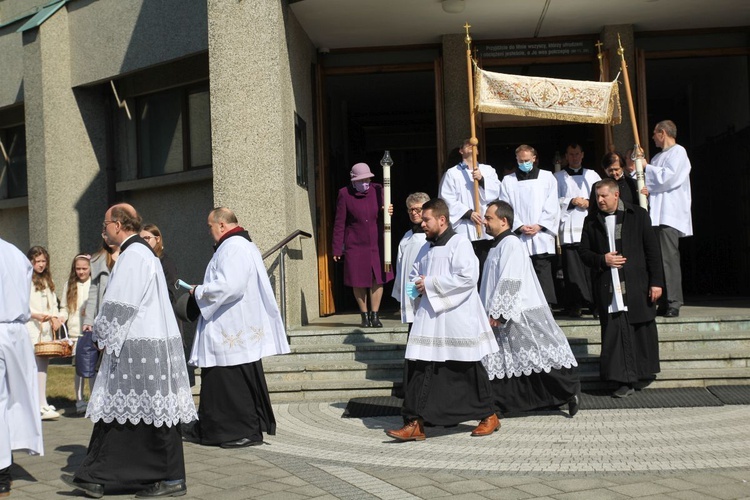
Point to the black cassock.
(630, 343)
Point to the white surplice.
(571, 218)
(20, 421)
(534, 201)
(457, 190)
(408, 249)
(668, 183)
(530, 340)
(240, 321)
(143, 375)
(450, 323)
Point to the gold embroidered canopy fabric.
(551, 98)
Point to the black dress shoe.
(573, 406)
(624, 391)
(4, 490)
(92, 490)
(240, 443)
(672, 312)
(175, 488)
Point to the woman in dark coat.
(614, 165)
(358, 240)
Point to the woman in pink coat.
(358, 240)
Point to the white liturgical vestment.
(408, 249)
(668, 183)
(240, 321)
(20, 421)
(449, 321)
(534, 201)
(143, 375)
(457, 190)
(530, 340)
(571, 218)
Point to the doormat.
(731, 394)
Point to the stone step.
(361, 350)
(687, 377)
(347, 335)
(331, 370)
(332, 390)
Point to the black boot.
(365, 320)
(374, 320)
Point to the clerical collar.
(574, 171)
(527, 176)
(500, 237)
(417, 228)
(134, 238)
(443, 238)
(620, 208)
(236, 231)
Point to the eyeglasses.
(107, 222)
(148, 238)
(417, 210)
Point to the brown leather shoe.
(413, 431)
(487, 426)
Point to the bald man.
(142, 392)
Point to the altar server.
(408, 248)
(446, 382)
(532, 192)
(668, 182)
(457, 189)
(20, 422)
(574, 184)
(535, 367)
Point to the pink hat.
(360, 171)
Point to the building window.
(300, 147)
(13, 182)
(174, 131)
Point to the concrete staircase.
(338, 363)
(334, 362)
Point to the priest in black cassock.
(620, 246)
(239, 324)
(535, 367)
(142, 393)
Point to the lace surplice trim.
(459, 342)
(152, 409)
(534, 344)
(112, 325)
(505, 299)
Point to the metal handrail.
(282, 245)
(286, 240)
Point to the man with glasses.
(408, 248)
(457, 189)
(142, 392)
(668, 182)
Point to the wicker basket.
(56, 348)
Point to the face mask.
(361, 186)
(525, 166)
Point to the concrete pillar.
(66, 149)
(252, 134)
(623, 133)
(455, 87)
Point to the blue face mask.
(525, 166)
(361, 186)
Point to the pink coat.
(358, 236)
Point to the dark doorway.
(713, 123)
(366, 115)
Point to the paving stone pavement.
(675, 453)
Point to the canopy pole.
(640, 178)
(472, 114)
